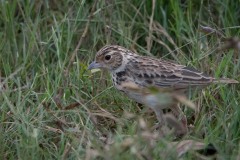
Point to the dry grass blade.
(72, 106)
(105, 115)
(186, 145)
(209, 30)
(131, 86)
(56, 130)
(66, 151)
(185, 101)
(159, 30)
(149, 38)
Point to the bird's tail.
(225, 80)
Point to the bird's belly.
(138, 97)
(128, 86)
(131, 92)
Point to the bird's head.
(109, 57)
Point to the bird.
(132, 73)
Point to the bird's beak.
(94, 65)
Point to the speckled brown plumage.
(126, 66)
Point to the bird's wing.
(152, 72)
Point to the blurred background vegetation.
(52, 107)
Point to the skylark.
(127, 67)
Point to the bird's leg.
(161, 126)
(159, 114)
(181, 128)
(178, 113)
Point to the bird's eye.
(107, 57)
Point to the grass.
(52, 107)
